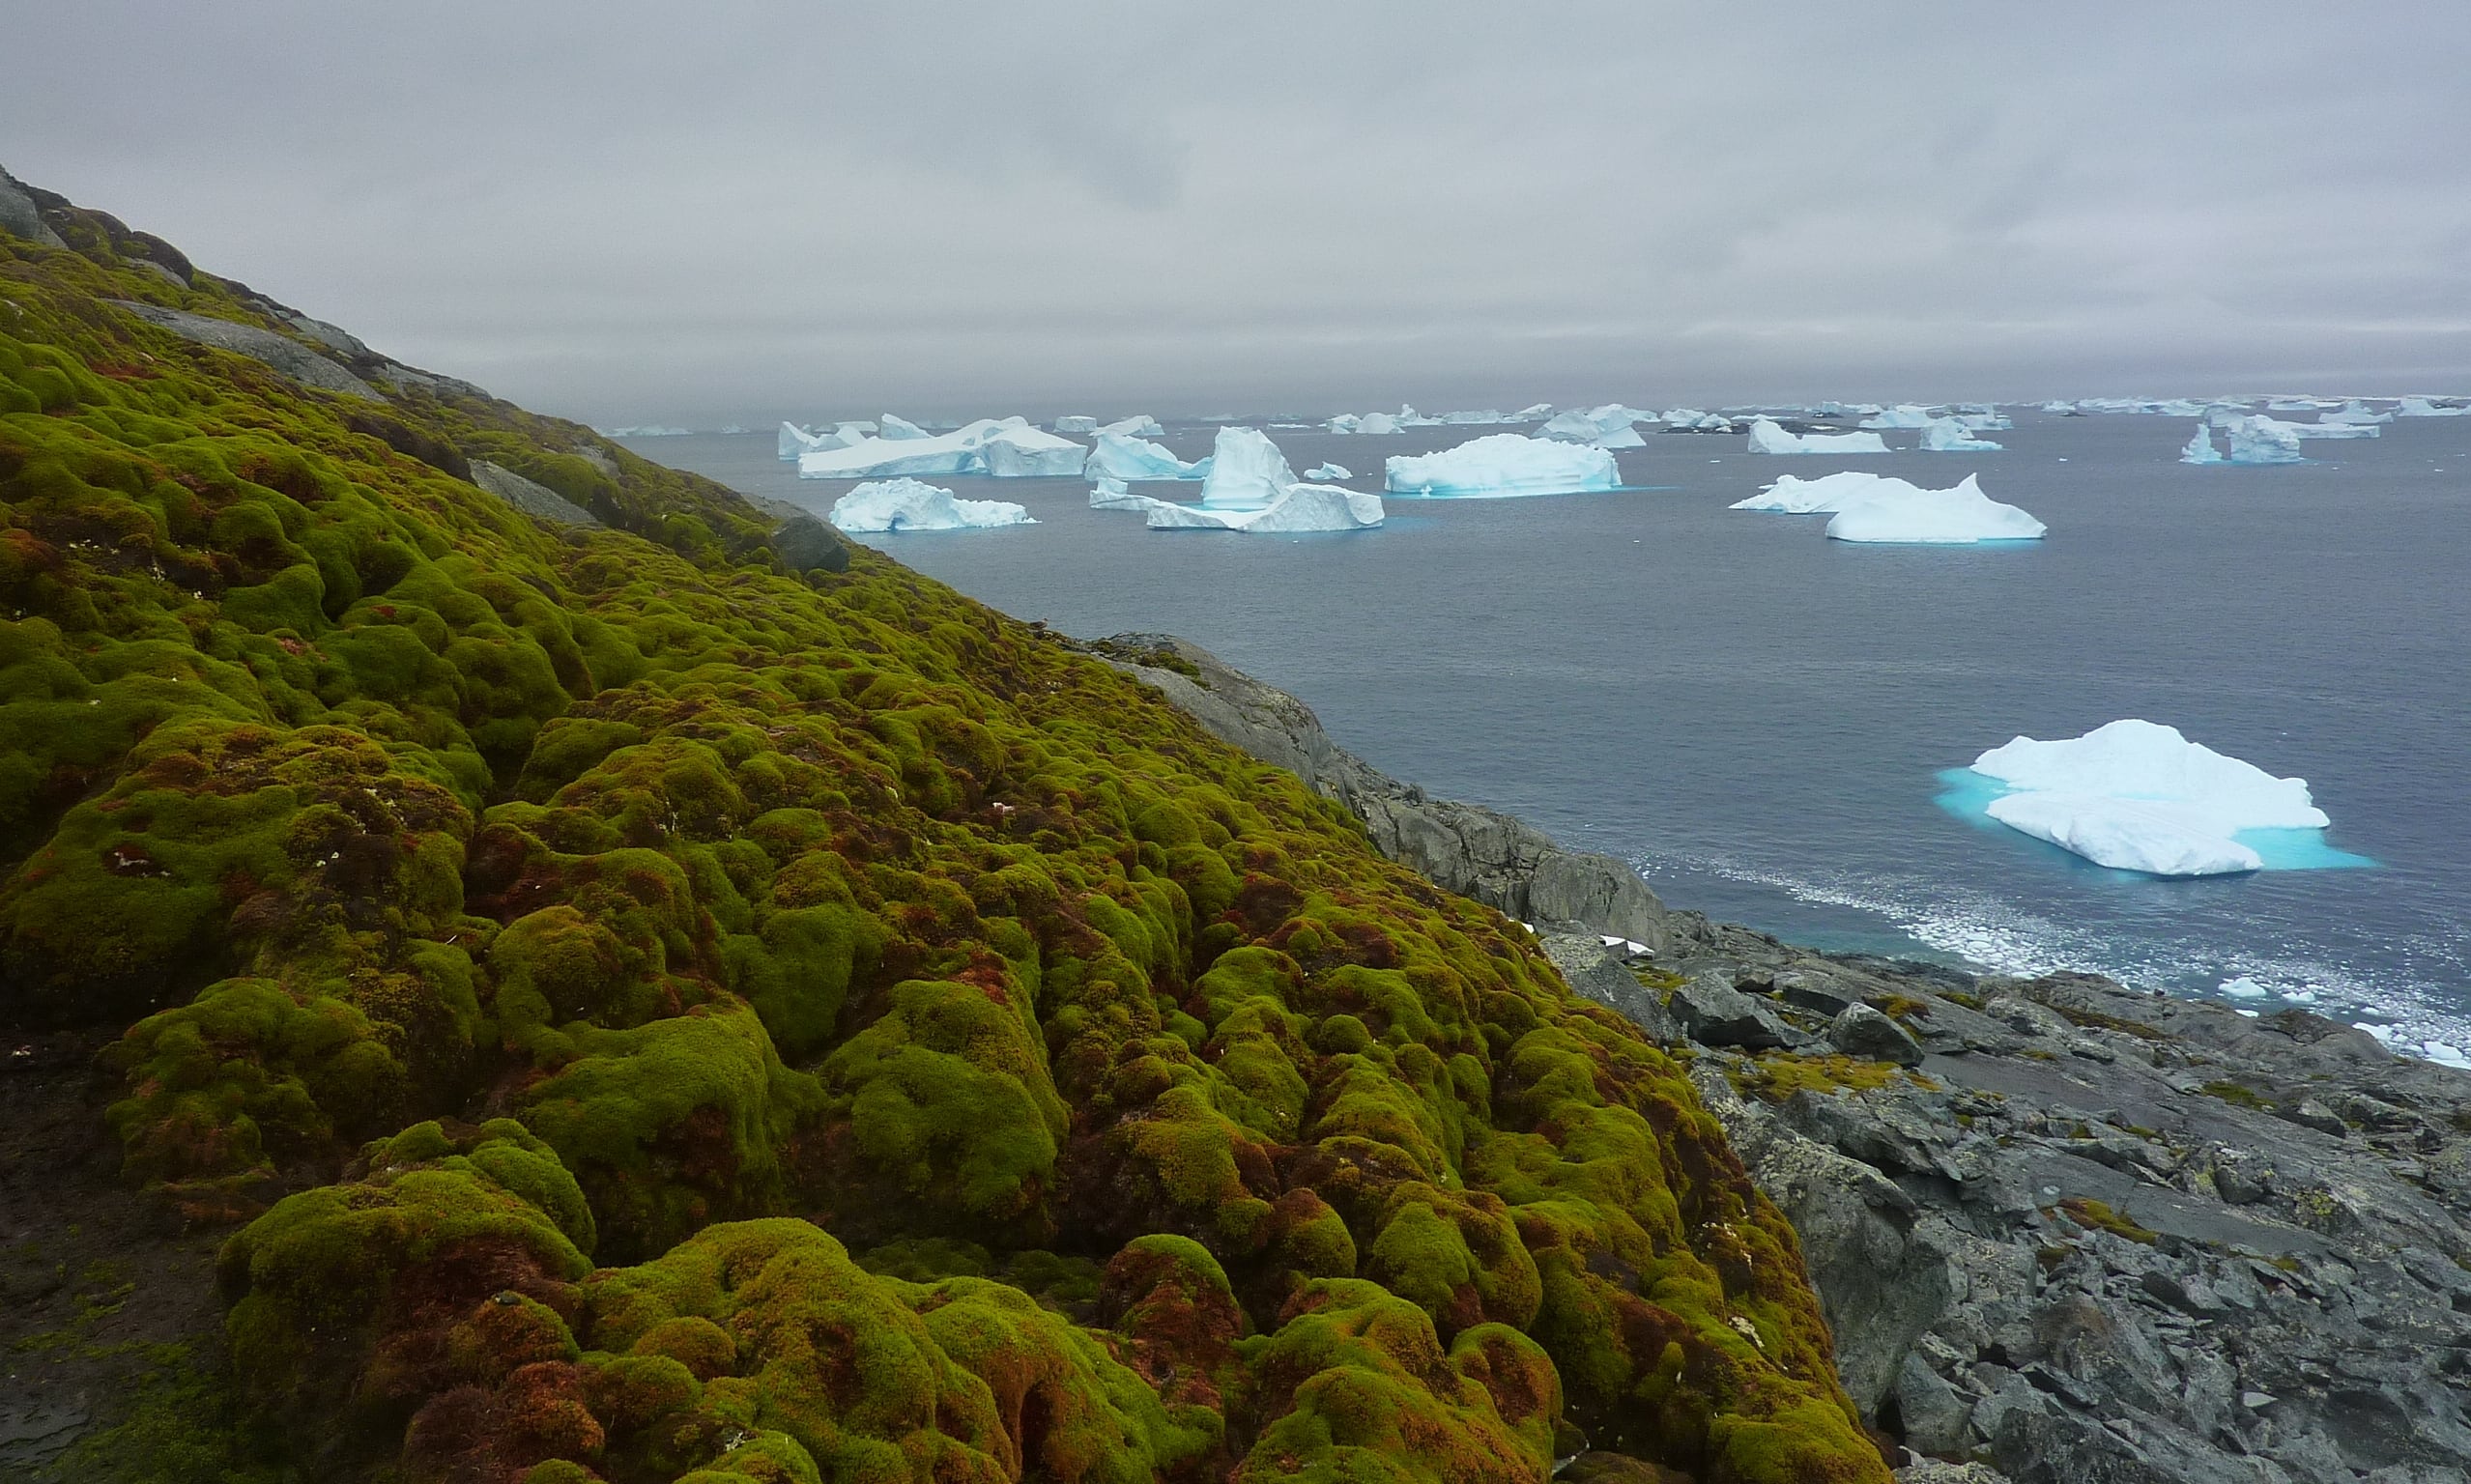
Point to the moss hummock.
(605, 924)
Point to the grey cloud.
(731, 210)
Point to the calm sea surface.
(1756, 716)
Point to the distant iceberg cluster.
(1879, 509)
(908, 504)
(1610, 427)
(1007, 449)
(2138, 796)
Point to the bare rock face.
(289, 356)
(2133, 1240)
(1477, 852)
(531, 496)
(21, 217)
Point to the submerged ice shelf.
(2138, 796)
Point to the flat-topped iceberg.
(1247, 472)
(1324, 472)
(1534, 412)
(1767, 437)
(1140, 425)
(1500, 466)
(2138, 796)
(1008, 448)
(906, 504)
(1083, 426)
(1824, 495)
(2354, 411)
(1893, 511)
(1109, 493)
(1947, 435)
(1298, 509)
(1124, 457)
(2423, 406)
(1907, 416)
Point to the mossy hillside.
(654, 890)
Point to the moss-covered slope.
(717, 1021)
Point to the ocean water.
(1761, 718)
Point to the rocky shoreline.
(2062, 1229)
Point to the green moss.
(1182, 1131)
(2086, 1212)
(1776, 1076)
(2234, 1094)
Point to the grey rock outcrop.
(1477, 852)
(809, 545)
(2143, 1240)
(21, 217)
(288, 357)
(1860, 1031)
(531, 496)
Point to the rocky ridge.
(2060, 1227)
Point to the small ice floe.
(2138, 796)
(2243, 988)
(908, 504)
(1766, 437)
(1121, 456)
(1500, 466)
(1893, 511)
(1325, 473)
(1948, 435)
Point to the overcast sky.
(731, 212)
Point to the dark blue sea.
(1759, 717)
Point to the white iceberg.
(1409, 417)
(906, 504)
(1124, 457)
(1535, 413)
(1985, 422)
(2354, 411)
(1247, 472)
(1907, 416)
(2335, 429)
(1082, 425)
(2296, 405)
(1370, 423)
(1605, 427)
(1824, 495)
(2061, 409)
(1017, 450)
(2423, 406)
(2139, 796)
(1026, 453)
(796, 441)
(1502, 465)
(1766, 437)
(1298, 509)
(1946, 435)
(1109, 493)
(1893, 511)
(1486, 417)
(890, 427)
(2261, 440)
(1326, 471)
(1141, 425)
(2200, 448)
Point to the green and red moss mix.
(719, 1022)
